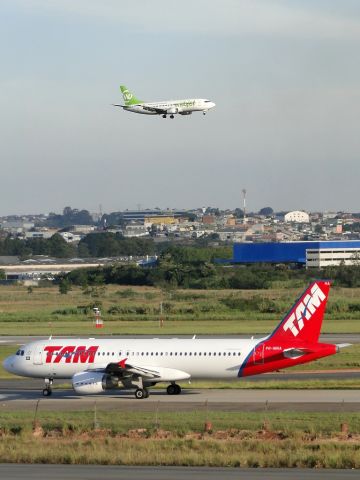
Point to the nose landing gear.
(47, 391)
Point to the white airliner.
(164, 108)
(95, 365)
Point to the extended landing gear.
(204, 113)
(173, 389)
(141, 393)
(171, 116)
(164, 116)
(47, 390)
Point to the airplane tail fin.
(304, 320)
(129, 98)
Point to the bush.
(128, 293)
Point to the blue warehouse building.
(311, 254)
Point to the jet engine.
(172, 110)
(88, 383)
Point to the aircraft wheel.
(146, 393)
(140, 393)
(164, 116)
(47, 392)
(177, 389)
(171, 389)
(171, 116)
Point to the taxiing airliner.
(96, 365)
(164, 108)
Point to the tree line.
(190, 267)
(104, 244)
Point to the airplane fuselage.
(171, 107)
(199, 358)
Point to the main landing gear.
(47, 390)
(173, 389)
(141, 393)
(164, 116)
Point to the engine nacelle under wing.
(172, 110)
(89, 383)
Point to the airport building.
(310, 254)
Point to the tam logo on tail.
(304, 310)
(304, 319)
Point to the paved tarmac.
(105, 472)
(22, 339)
(189, 400)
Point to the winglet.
(122, 363)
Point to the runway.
(189, 400)
(94, 472)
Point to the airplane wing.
(123, 369)
(155, 109)
(118, 105)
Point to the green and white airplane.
(165, 108)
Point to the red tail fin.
(303, 322)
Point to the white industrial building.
(332, 256)
(297, 216)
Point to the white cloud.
(226, 17)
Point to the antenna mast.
(244, 203)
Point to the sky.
(284, 75)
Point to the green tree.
(267, 211)
(64, 286)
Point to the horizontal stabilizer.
(343, 345)
(296, 352)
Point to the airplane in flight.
(96, 365)
(164, 108)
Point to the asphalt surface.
(96, 472)
(22, 339)
(189, 400)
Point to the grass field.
(136, 311)
(266, 439)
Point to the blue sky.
(284, 75)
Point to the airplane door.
(258, 354)
(37, 359)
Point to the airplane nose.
(8, 364)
